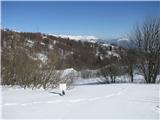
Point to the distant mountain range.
(83, 38)
(122, 41)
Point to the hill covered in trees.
(33, 59)
(68, 52)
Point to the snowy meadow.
(108, 101)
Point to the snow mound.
(30, 43)
(68, 71)
(41, 57)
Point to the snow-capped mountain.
(122, 41)
(124, 38)
(83, 38)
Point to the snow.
(42, 43)
(88, 38)
(87, 81)
(42, 57)
(113, 53)
(69, 71)
(122, 101)
(54, 42)
(30, 43)
(50, 46)
(124, 38)
(106, 45)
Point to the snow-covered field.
(110, 101)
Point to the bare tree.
(147, 41)
(128, 59)
(111, 71)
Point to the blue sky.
(102, 19)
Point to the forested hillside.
(34, 57)
(69, 53)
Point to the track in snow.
(98, 101)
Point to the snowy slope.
(89, 101)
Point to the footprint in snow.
(37, 102)
(77, 100)
(93, 99)
(158, 107)
(111, 95)
(55, 101)
(119, 93)
(10, 104)
(24, 104)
